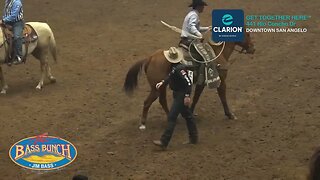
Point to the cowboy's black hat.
(196, 3)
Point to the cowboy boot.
(17, 60)
(160, 144)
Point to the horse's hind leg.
(163, 99)
(42, 56)
(153, 95)
(4, 86)
(49, 75)
(43, 65)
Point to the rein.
(1, 45)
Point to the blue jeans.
(17, 37)
(177, 108)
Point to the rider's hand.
(199, 35)
(159, 84)
(187, 101)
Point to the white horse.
(39, 49)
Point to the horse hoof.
(39, 88)
(52, 80)
(142, 127)
(232, 116)
(3, 91)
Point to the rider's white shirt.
(191, 24)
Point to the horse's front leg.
(4, 86)
(222, 94)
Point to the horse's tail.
(131, 81)
(52, 46)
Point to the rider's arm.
(14, 12)
(193, 25)
(204, 29)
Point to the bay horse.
(39, 48)
(157, 68)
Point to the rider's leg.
(17, 35)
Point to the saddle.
(28, 34)
(200, 59)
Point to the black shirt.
(179, 80)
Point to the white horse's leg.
(43, 73)
(49, 75)
(4, 86)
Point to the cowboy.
(192, 40)
(181, 85)
(191, 23)
(13, 16)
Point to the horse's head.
(247, 44)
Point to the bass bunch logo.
(43, 152)
(227, 25)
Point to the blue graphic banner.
(43, 152)
(227, 25)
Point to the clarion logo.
(43, 152)
(228, 25)
(227, 29)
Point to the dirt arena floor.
(274, 93)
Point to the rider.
(191, 23)
(13, 16)
(206, 72)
